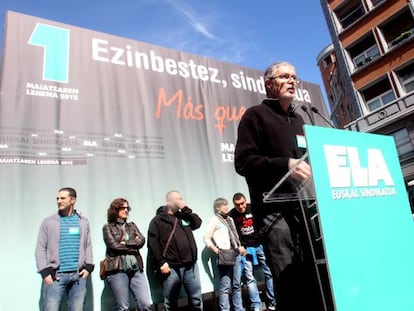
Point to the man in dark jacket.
(173, 250)
(269, 144)
(251, 241)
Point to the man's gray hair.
(271, 69)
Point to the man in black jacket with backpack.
(173, 250)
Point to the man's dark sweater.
(269, 131)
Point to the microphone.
(304, 108)
(315, 110)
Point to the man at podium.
(271, 142)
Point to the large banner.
(111, 117)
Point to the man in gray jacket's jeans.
(64, 254)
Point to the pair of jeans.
(251, 281)
(138, 286)
(189, 278)
(230, 284)
(68, 283)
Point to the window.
(366, 56)
(378, 94)
(364, 51)
(327, 61)
(406, 77)
(350, 13)
(403, 142)
(398, 28)
(381, 100)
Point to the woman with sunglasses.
(125, 268)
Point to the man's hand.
(165, 268)
(214, 249)
(48, 280)
(302, 172)
(84, 273)
(242, 251)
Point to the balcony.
(391, 112)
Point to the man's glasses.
(286, 77)
(125, 207)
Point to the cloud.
(204, 29)
(194, 20)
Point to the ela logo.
(55, 43)
(344, 167)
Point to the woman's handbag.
(102, 269)
(227, 257)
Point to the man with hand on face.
(173, 250)
(64, 254)
(269, 143)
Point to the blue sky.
(252, 34)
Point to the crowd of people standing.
(64, 255)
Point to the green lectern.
(358, 220)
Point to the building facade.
(368, 71)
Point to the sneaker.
(271, 306)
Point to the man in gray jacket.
(64, 254)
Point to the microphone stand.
(304, 108)
(315, 110)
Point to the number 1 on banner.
(55, 43)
